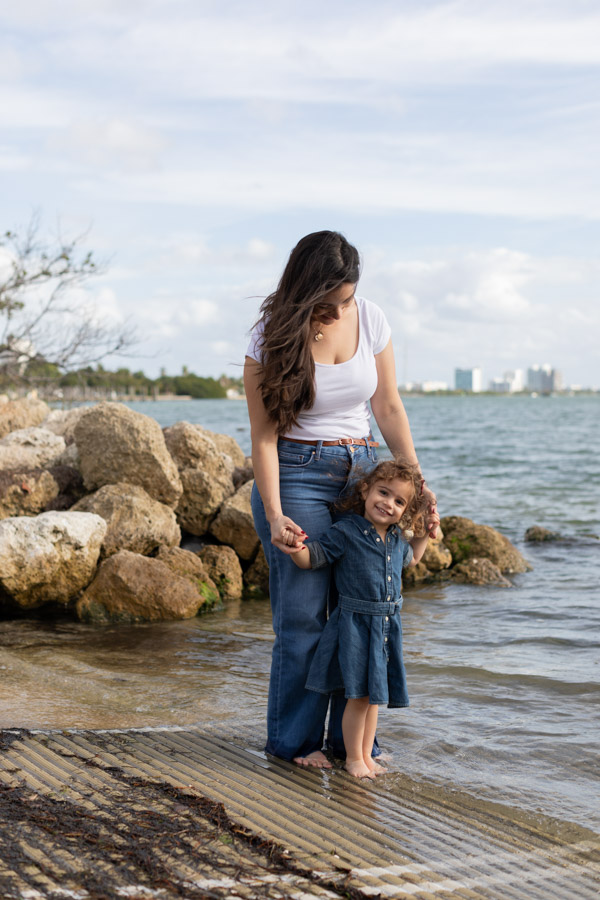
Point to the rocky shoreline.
(97, 505)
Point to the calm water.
(504, 684)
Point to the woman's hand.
(286, 535)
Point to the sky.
(192, 144)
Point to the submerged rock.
(135, 521)
(117, 444)
(48, 558)
(537, 534)
(223, 566)
(467, 540)
(130, 588)
(234, 524)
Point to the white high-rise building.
(543, 379)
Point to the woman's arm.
(265, 460)
(391, 417)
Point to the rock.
(70, 486)
(228, 446)
(188, 565)
(116, 444)
(135, 521)
(63, 422)
(416, 575)
(256, 577)
(478, 571)
(48, 558)
(26, 492)
(436, 556)
(24, 413)
(205, 476)
(129, 588)
(234, 524)
(537, 534)
(223, 566)
(242, 474)
(30, 448)
(69, 457)
(466, 540)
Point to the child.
(360, 650)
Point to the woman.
(317, 355)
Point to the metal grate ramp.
(176, 813)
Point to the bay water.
(504, 682)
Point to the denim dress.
(360, 649)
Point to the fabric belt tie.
(373, 607)
(341, 442)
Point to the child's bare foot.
(315, 760)
(358, 768)
(373, 766)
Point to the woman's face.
(334, 304)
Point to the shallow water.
(504, 683)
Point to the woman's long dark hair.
(318, 264)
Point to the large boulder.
(63, 422)
(26, 492)
(130, 588)
(116, 444)
(234, 524)
(467, 540)
(30, 448)
(256, 576)
(23, 413)
(227, 445)
(188, 565)
(436, 558)
(478, 571)
(223, 566)
(135, 521)
(205, 476)
(48, 558)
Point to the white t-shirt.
(342, 391)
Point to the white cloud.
(113, 143)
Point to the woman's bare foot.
(315, 760)
(373, 766)
(358, 768)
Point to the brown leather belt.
(340, 442)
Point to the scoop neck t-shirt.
(342, 390)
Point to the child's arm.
(419, 544)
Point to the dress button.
(389, 577)
(389, 557)
(377, 540)
(385, 639)
(366, 532)
(388, 599)
(387, 619)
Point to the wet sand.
(176, 813)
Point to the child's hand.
(292, 540)
(432, 521)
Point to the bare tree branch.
(46, 315)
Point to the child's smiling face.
(386, 501)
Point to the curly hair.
(319, 263)
(413, 518)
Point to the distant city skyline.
(455, 144)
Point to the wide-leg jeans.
(311, 478)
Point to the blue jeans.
(311, 478)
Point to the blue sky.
(455, 143)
